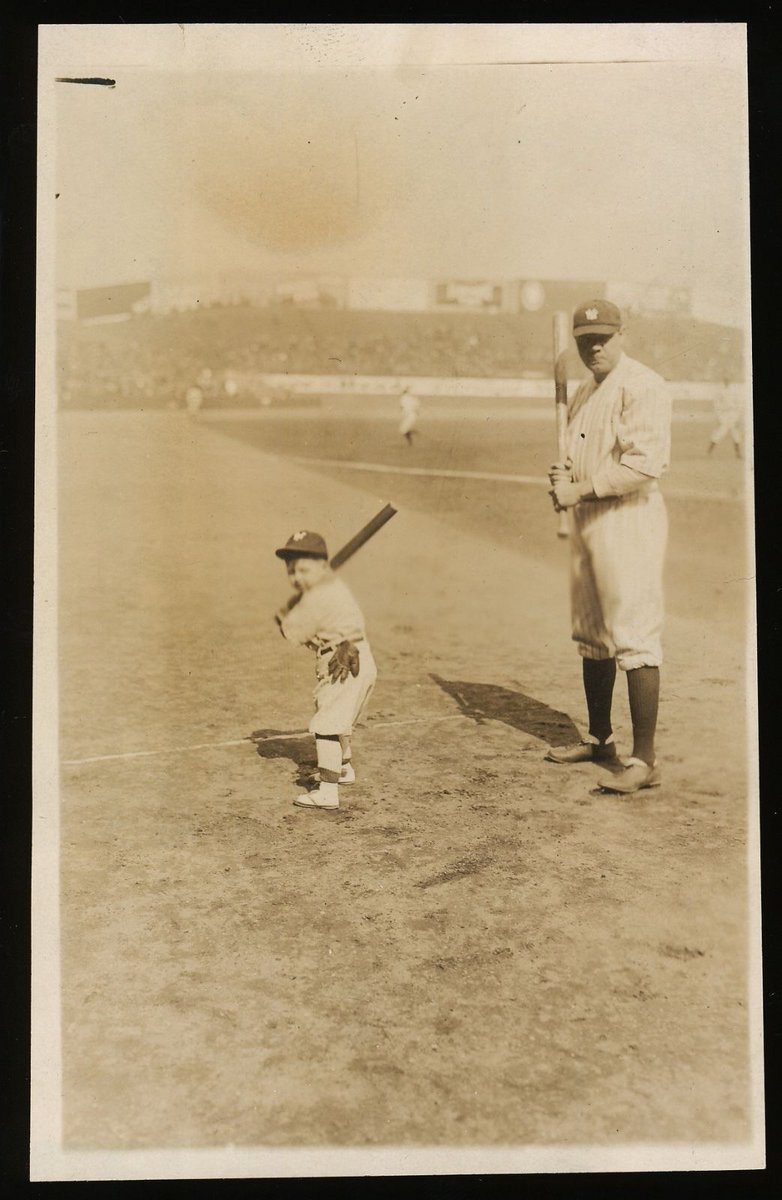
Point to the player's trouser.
(339, 706)
(407, 424)
(617, 555)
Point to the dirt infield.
(478, 948)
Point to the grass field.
(478, 949)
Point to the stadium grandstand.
(127, 350)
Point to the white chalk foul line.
(492, 476)
(77, 762)
(273, 737)
(442, 472)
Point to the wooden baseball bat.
(363, 535)
(561, 342)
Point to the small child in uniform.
(323, 615)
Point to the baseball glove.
(343, 662)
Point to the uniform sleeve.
(301, 623)
(643, 440)
(325, 615)
(617, 479)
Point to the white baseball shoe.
(347, 774)
(636, 775)
(589, 749)
(316, 799)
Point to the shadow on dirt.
(297, 745)
(489, 702)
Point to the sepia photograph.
(395, 724)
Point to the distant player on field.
(410, 405)
(727, 410)
(619, 438)
(323, 615)
(194, 398)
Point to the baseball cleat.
(347, 774)
(587, 750)
(315, 799)
(636, 775)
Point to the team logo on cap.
(297, 537)
(591, 314)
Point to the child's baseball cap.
(303, 544)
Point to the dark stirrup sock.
(599, 677)
(643, 691)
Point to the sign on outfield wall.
(388, 295)
(551, 295)
(392, 385)
(532, 295)
(469, 295)
(318, 292)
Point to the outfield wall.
(392, 385)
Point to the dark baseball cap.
(596, 316)
(303, 544)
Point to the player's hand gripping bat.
(561, 340)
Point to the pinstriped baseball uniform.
(616, 429)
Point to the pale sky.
(630, 171)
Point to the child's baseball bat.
(561, 340)
(363, 535)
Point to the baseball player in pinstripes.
(619, 438)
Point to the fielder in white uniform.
(323, 615)
(619, 441)
(727, 410)
(194, 398)
(409, 404)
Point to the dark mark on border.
(100, 82)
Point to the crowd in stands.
(150, 361)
